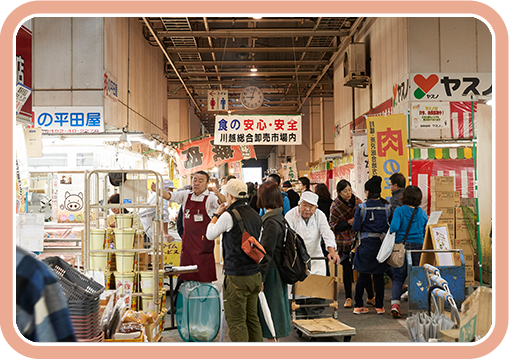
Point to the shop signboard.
(110, 87)
(430, 115)
(258, 130)
(387, 150)
(361, 163)
(204, 154)
(77, 119)
(22, 94)
(217, 100)
(450, 87)
(400, 91)
(290, 171)
(70, 197)
(24, 67)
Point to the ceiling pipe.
(151, 29)
(333, 58)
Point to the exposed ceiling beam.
(251, 74)
(259, 82)
(257, 32)
(184, 50)
(149, 26)
(253, 62)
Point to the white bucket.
(125, 281)
(97, 238)
(124, 261)
(148, 305)
(123, 220)
(99, 261)
(147, 281)
(124, 238)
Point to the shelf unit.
(133, 195)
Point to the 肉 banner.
(258, 130)
(387, 150)
(203, 154)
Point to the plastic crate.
(75, 286)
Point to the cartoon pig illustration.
(72, 202)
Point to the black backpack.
(294, 264)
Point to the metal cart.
(325, 287)
(418, 281)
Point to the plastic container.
(147, 281)
(124, 261)
(97, 237)
(123, 220)
(124, 281)
(99, 261)
(147, 304)
(124, 238)
(198, 312)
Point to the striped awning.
(441, 153)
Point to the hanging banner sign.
(22, 94)
(70, 197)
(430, 115)
(400, 91)
(361, 163)
(69, 119)
(24, 68)
(388, 153)
(204, 154)
(449, 87)
(290, 171)
(217, 100)
(258, 129)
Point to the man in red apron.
(198, 206)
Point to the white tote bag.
(386, 247)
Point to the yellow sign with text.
(388, 151)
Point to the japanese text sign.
(24, 66)
(449, 87)
(69, 119)
(110, 87)
(430, 115)
(203, 155)
(387, 150)
(22, 94)
(258, 129)
(217, 100)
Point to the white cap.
(237, 188)
(309, 197)
(167, 184)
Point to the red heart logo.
(426, 84)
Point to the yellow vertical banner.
(388, 151)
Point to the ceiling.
(293, 58)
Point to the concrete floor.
(369, 327)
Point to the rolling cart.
(325, 287)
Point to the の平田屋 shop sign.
(387, 150)
(449, 87)
(258, 130)
(69, 119)
(430, 114)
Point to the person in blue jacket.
(411, 200)
(286, 202)
(371, 220)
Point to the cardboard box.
(468, 202)
(476, 315)
(460, 243)
(459, 213)
(461, 231)
(143, 261)
(469, 277)
(153, 331)
(444, 199)
(447, 213)
(442, 183)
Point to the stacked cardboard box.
(444, 198)
(462, 240)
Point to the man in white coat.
(312, 226)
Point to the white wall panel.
(484, 47)
(424, 44)
(87, 53)
(52, 98)
(87, 98)
(52, 53)
(457, 45)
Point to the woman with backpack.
(411, 200)
(341, 219)
(371, 220)
(272, 239)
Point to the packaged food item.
(130, 328)
(136, 317)
(151, 317)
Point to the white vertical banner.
(361, 164)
